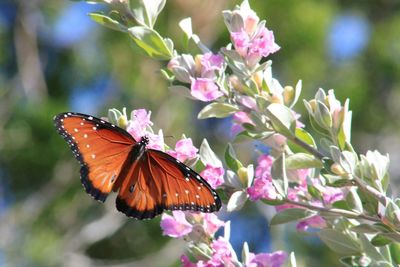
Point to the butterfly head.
(144, 141)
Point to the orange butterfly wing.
(100, 147)
(157, 182)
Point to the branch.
(307, 147)
(344, 213)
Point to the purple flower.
(210, 64)
(222, 253)
(156, 141)
(252, 47)
(213, 175)
(241, 42)
(211, 223)
(175, 225)
(314, 222)
(184, 150)
(263, 44)
(275, 259)
(264, 165)
(204, 89)
(262, 188)
(140, 120)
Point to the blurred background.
(53, 58)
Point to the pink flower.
(241, 42)
(204, 89)
(262, 188)
(211, 223)
(156, 141)
(176, 225)
(184, 150)
(314, 222)
(264, 165)
(140, 120)
(213, 175)
(210, 63)
(275, 259)
(222, 253)
(242, 117)
(252, 47)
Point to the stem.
(371, 190)
(344, 213)
(307, 147)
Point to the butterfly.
(148, 181)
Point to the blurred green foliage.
(46, 217)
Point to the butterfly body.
(148, 181)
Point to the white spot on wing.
(93, 156)
(85, 135)
(90, 118)
(76, 130)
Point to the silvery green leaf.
(113, 115)
(339, 242)
(236, 201)
(304, 136)
(292, 214)
(227, 230)
(232, 180)
(279, 177)
(365, 228)
(347, 161)
(262, 102)
(297, 93)
(263, 66)
(146, 12)
(354, 201)
(250, 175)
(231, 160)
(207, 156)
(227, 14)
(308, 107)
(282, 119)
(151, 42)
(292, 261)
(181, 90)
(379, 240)
(107, 21)
(186, 26)
(322, 115)
(245, 252)
(204, 49)
(320, 95)
(369, 249)
(181, 74)
(335, 153)
(217, 110)
(302, 161)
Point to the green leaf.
(379, 240)
(313, 191)
(302, 161)
(292, 262)
(323, 116)
(279, 177)
(395, 252)
(282, 119)
(151, 42)
(207, 156)
(146, 12)
(289, 215)
(107, 21)
(230, 159)
(354, 201)
(369, 249)
(304, 136)
(365, 228)
(272, 202)
(217, 110)
(236, 201)
(339, 242)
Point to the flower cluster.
(250, 38)
(200, 72)
(199, 230)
